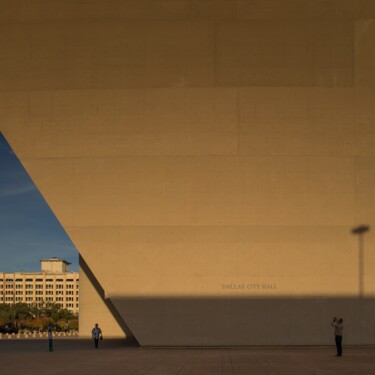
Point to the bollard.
(50, 342)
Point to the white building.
(54, 284)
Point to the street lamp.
(360, 230)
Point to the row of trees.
(37, 317)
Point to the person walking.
(339, 327)
(96, 335)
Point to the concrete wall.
(95, 311)
(208, 158)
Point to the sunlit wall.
(209, 159)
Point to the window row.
(48, 299)
(38, 280)
(41, 286)
(39, 293)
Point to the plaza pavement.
(77, 356)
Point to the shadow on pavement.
(40, 345)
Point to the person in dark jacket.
(96, 335)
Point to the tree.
(62, 324)
(20, 311)
(5, 313)
(73, 324)
(41, 323)
(37, 316)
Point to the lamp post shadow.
(360, 231)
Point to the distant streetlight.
(361, 230)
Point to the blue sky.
(29, 231)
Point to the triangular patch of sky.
(29, 231)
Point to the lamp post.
(360, 230)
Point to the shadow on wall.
(246, 321)
(235, 321)
(360, 231)
(130, 340)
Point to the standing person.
(339, 327)
(96, 335)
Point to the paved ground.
(77, 356)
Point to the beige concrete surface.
(79, 357)
(208, 159)
(95, 311)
